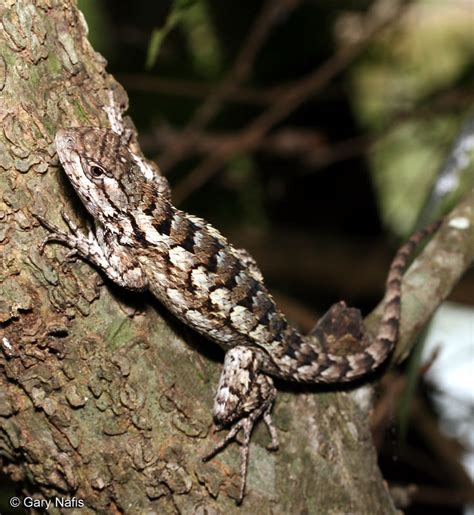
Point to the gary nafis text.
(53, 502)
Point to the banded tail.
(343, 325)
(389, 328)
(390, 324)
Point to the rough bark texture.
(101, 396)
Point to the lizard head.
(105, 174)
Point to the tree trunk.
(103, 396)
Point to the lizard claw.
(71, 256)
(58, 237)
(72, 225)
(246, 424)
(55, 234)
(217, 428)
(230, 435)
(45, 223)
(49, 227)
(42, 246)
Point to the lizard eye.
(96, 171)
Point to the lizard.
(141, 241)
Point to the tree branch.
(291, 99)
(434, 273)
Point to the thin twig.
(195, 89)
(306, 145)
(266, 19)
(290, 99)
(289, 142)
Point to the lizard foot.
(246, 424)
(55, 234)
(244, 395)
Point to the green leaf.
(178, 10)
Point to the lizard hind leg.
(243, 396)
(340, 329)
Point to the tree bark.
(104, 397)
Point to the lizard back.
(207, 283)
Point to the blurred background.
(318, 134)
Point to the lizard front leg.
(243, 396)
(116, 262)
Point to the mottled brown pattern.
(143, 242)
(206, 250)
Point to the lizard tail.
(383, 344)
(343, 327)
(388, 331)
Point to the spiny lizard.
(141, 241)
